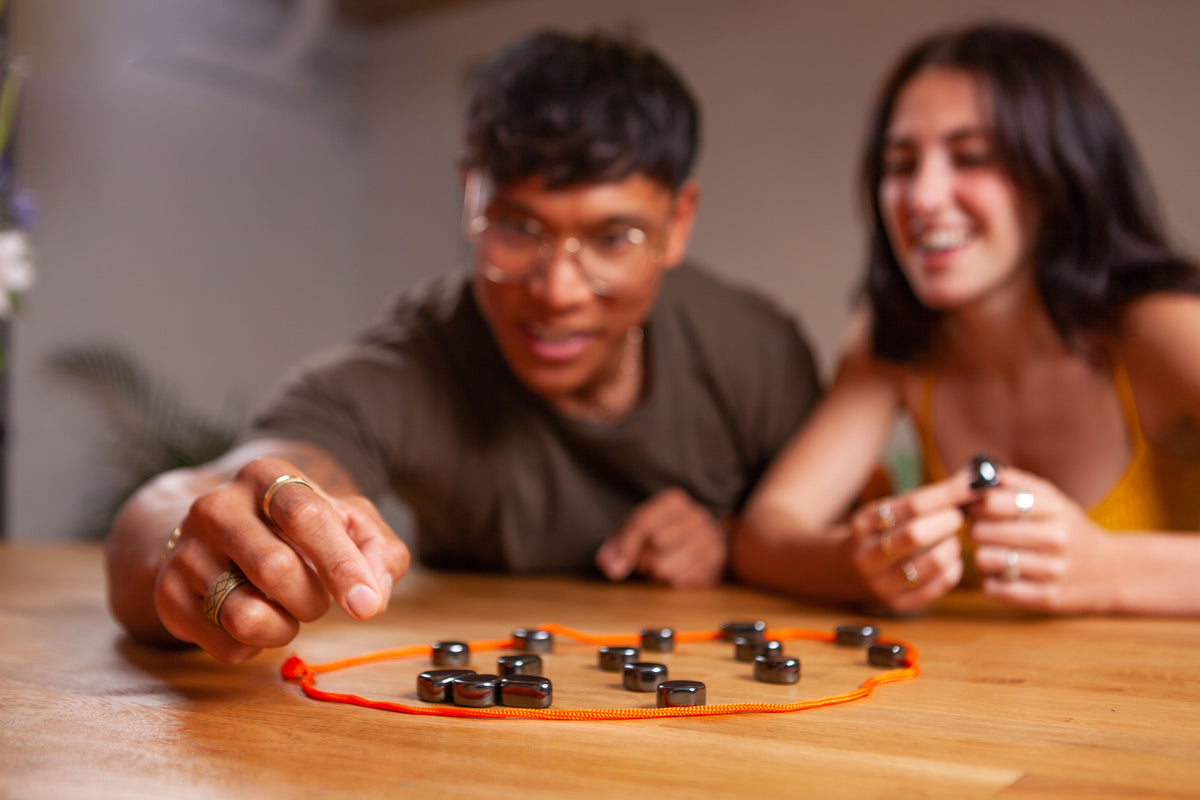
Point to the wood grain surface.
(1007, 705)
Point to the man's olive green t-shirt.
(423, 404)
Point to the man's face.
(561, 338)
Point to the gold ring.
(911, 576)
(885, 519)
(171, 541)
(887, 545)
(1012, 567)
(219, 591)
(279, 483)
(1024, 503)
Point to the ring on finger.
(885, 519)
(911, 575)
(1012, 566)
(1024, 502)
(171, 541)
(887, 545)
(280, 482)
(219, 591)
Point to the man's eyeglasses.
(513, 248)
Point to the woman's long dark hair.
(1100, 238)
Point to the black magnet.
(525, 691)
(855, 635)
(887, 655)
(674, 694)
(522, 664)
(658, 640)
(613, 659)
(777, 669)
(983, 471)
(451, 654)
(433, 684)
(746, 649)
(644, 676)
(533, 640)
(475, 691)
(732, 630)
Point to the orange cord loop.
(294, 669)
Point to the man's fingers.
(622, 553)
(388, 557)
(617, 557)
(179, 596)
(310, 524)
(268, 561)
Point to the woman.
(1021, 301)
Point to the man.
(577, 401)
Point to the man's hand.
(314, 548)
(669, 538)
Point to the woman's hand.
(1038, 549)
(906, 548)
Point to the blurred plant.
(17, 206)
(151, 429)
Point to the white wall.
(221, 236)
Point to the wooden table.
(1007, 705)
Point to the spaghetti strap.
(923, 420)
(1133, 425)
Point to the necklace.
(620, 395)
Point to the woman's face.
(954, 218)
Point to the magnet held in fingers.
(983, 471)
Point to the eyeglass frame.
(476, 224)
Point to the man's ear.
(679, 226)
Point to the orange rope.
(294, 669)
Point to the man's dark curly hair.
(580, 109)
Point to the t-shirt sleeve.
(352, 402)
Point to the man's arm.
(324, 543)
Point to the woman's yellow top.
(1158, 491)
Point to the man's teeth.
(943, 239)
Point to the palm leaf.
(148, 427)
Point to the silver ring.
(1024, 503)
(911, 575)
(1012, 567)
